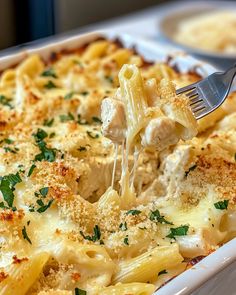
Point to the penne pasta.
(144, 267)
(21, 276)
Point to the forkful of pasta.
(146, 113)
(160, 115)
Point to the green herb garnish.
(10, 150)
(123, 226)
(46, 154)
(97, 120)
(222, 205)
(50, 85)
(25, 235)
(7, 187)
(49, 73)
(51, 135)
(48, 123)
(178, 231)
(31, 170)
(133, 212)
(5, 101)
(90, 134)
(66, 118)
(43, 207)
(84, 93)
(44, 191)
(157, 217)
(7, 140)
(126, 240)
(80, 292)
(96, 234)
(40, 135)
(69, 95)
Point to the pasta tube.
(20, 277)
(145, 266)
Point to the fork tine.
(193, 97)
(195, 102)
(198, 108)
(191, 93)
(200, 114)
(186, 88)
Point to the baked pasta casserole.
(105, 186)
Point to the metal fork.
(208, 94)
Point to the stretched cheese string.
(114, 165)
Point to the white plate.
(211, 267)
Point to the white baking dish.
(212, 274)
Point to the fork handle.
(229, 75)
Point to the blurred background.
(23, 21)
(26, 20)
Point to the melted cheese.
(86, 229)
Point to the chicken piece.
(114, 119)
(160, 133)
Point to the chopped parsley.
(81, 121)
(7, 140)
(80, 292)
(51, 135)
(31, 170)
(5, 101)
(48, 122)
(178, 231)
(222, 205)
(162, 272)
(97, 120)
(25, 235)
(92, 135)
(50, 85)
(66, 118)
(96, 234)
(49, 73)
(7, 187)
(123, 226)
(43, 207)
(190, 169)
(157, 217)
(133, 212)
(126, 240)
(10, 150)
(44, 191)
(40, 135)
(69, 95)
(46, 154)
(84, 93)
